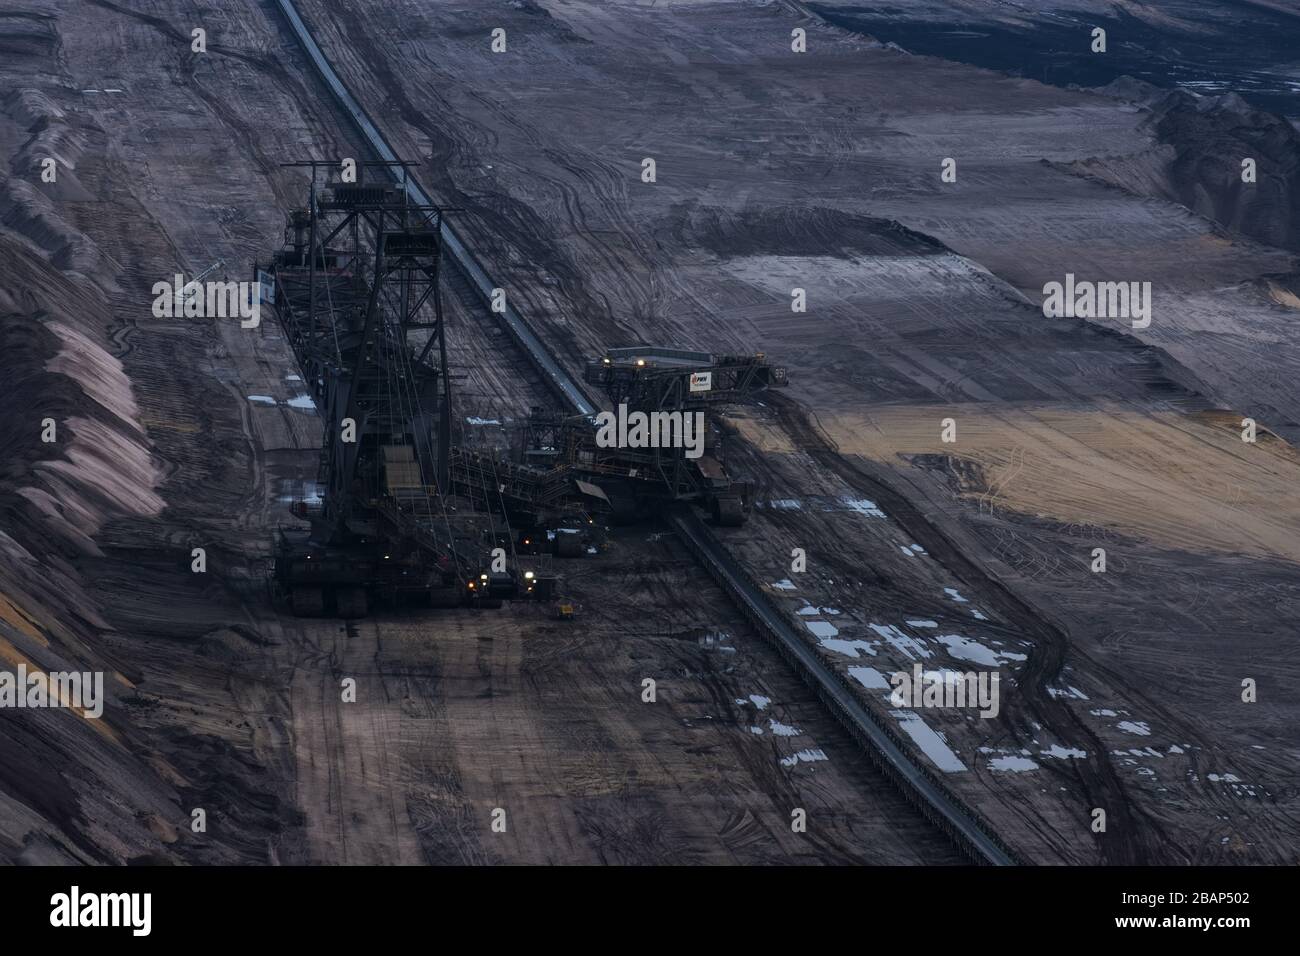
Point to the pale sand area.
(1181, 481)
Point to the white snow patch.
(1139, 727)
(931, 743)
(1072, 693)
(809, 610)
(849, 648)
(821, 628)
(908, 646)
(803, 756)
(965, 649)
(1062, 753)
(1012, 764)
(862, 506)
(869, 677)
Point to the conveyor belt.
(921, 787)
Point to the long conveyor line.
(920, 787)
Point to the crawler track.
(918, 786)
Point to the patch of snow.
(809, 610)
(965, 649)
(803, 756)
(869, 677)
(849, 648)
(821, 628)
(1012, 764)
(931, 743)
(862, 506)
(1071, 693)
(908, 646)
(1062, 753)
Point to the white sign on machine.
(701, 381)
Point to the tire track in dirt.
(1134, 832)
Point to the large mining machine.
(567, 465)
(356, 291)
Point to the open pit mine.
(589, 432)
